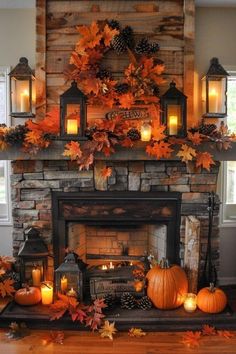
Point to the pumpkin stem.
(212, 287)
(164, 263)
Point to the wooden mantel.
(137, 153)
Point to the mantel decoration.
(140, 84)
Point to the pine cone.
(128, 35)
(143, 46)
(144, 303)
(134, 134)
(127, 301)
(153, 48)
(114, 24)
(103, 74)
(122, 88)
(109, 300)
(207, 129)
(16, 135)
(118, 44)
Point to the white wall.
(215, 37)
(17, 39)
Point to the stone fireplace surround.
(33, 182)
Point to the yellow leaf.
(136, 332)
(186, 153)
(108, 330)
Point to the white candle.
(104, 267)
(71, 293)
(173, 125)
(47, 293)
(190, 302)
(64, 284)
(146, 132)
(111, 266)
(36, 276)
(72, 126)
(24, 101)
(213, 101)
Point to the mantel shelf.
(55, 152)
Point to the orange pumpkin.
(211, 300)
(167, 286)
(28, 296)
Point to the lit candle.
(71, 293)
(104, 267)
(24, 101)
(36, 276)
(173, 125)
(146, 132)
(64, 284)
(47, 293)
(190, 302)
(213, 101)
(111, 266)
(72, 126)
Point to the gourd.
(28, 296)
(167, 285)
(211, 299)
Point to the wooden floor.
(92, 343)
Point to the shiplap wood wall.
(168, 22)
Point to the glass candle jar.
(47, 292)
(190, 302)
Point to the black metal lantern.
(22, 88)
(69, 276)
(33, 256)
(73, 114)
(214, 91)
(174, 111)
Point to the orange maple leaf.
(195, 138)
(126, 100)
(147, 66)
(108, 150)
(6, 287)
(6, 262)
(205, 160)
(159, 149)
(186, 153)
(127, 142)
(109, 34)
(72, 150)
(33, 137)
(94, 56)
(158, 132)
(208, 330)
(90, 37)
(92, 85)
(80, 61)
(225, 334)
(106, 172)
(191, 339)
(54, 337)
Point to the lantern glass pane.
(217, 88)
(30, 266)
(20, 91)
(33, 95)
(72, 121)
(174, 118)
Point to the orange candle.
(36, 276)
(72, 126)
(24, 101)
(64, 284)
(47, 293)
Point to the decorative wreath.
(140, 84)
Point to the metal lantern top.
(33, 245)
(173, 92)
(216, 69)
(22, 69)
(70, 264)
(73, 92)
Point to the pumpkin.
(167, 285)
(211, 300)
(28, 296)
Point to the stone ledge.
(137, 153)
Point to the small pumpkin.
(211, 299)
(28, 296)
(167, 285)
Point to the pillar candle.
(64, 284)
(47, 293)
(24, 102)
(173, 125)
(213, 101)
(36, 276)
(72, 126)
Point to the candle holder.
(214, 91)
(190, 302)
(174, 111)
(22, 89)
(47, 292)
(146, 131)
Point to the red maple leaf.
(205, 160)
(208, 330)
(195, 138)
(159, 149)
(127, 142)
(126, 100)
(106, 172)
(6, 287)
(108, 34)
(191, 339)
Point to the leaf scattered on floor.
(191, 339)
(225, 334)
(108, 330)
(136, 332)
(17, 331)
(208, 330)
(54, 337)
